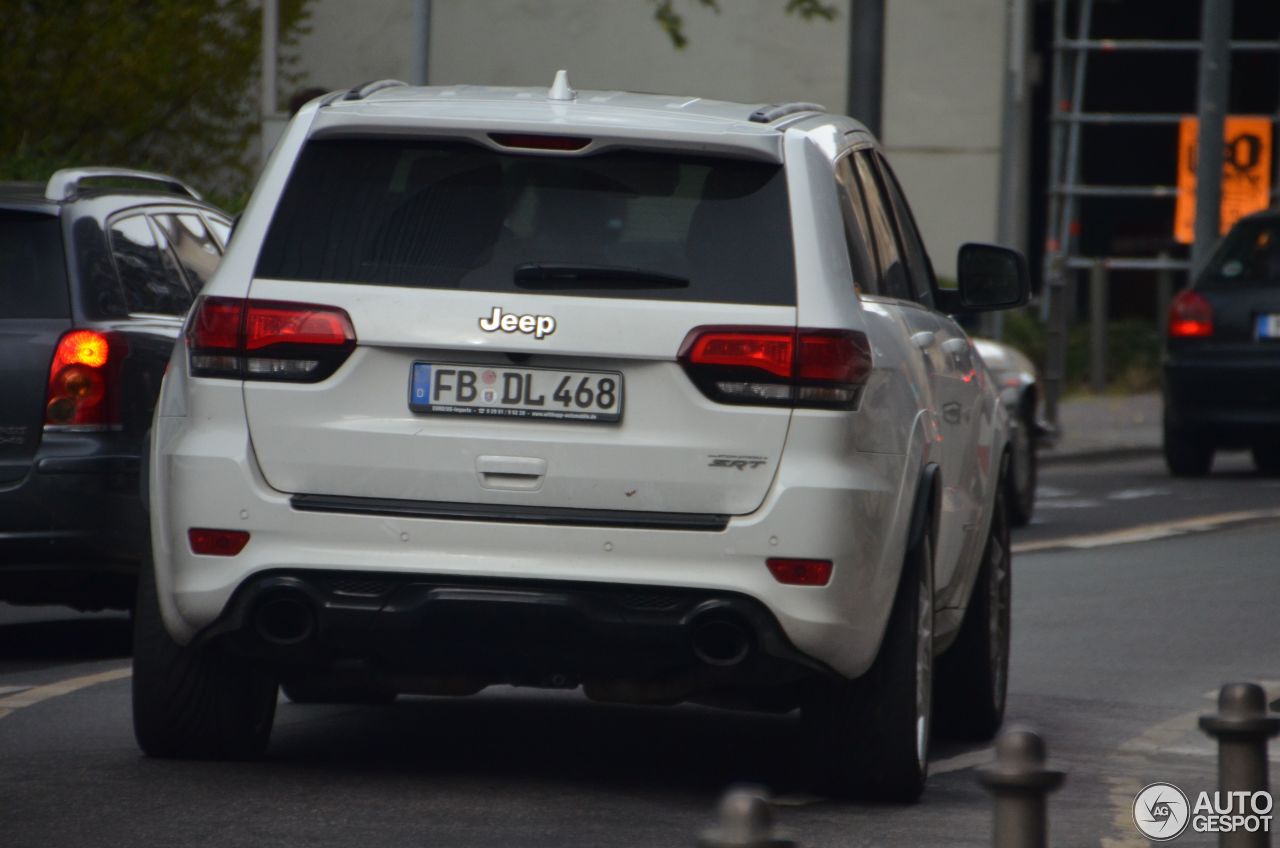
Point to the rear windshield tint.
(461, 216)
(33, 272)
(1249, 254)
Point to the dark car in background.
(94, 287)
(1222, 368)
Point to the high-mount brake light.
(268, 340)
(84, 379)
(778, 365)
(530, 141)
(1190, 316)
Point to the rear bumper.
(1234, 401)
(853, 514)
(430, 634)
(72, 530)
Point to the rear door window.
(918, 265)
(33, 271)
(148, 274)
(1249, 254)
(893, 272)
(193, 245)
(461, 216)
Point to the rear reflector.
(83, 391)
(267, 340)
(801, 572)
(1190, 316)
(778, 365)
(209, 542)
(528, 141)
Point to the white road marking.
(1053, 492)
(1070, 503)
(36, 694)
(1148, 532)
(960, 762)
(9, 690)
(1134, 494)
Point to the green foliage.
(672, 22)
(158, 84)
(1133, 350)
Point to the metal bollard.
(1020, 784)
(745, 821)
(1242, 728)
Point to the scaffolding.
(1063, 261)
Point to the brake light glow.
(1190, 316)
(267, 340)
(800, 572)
(82, 392)
(209, 542)
(778, 365)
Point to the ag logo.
(1161, 812)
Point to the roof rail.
(769, 114)
(64, 184)
(364, 89)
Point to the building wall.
(943, 72)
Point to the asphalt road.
(1116, 646)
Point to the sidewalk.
(1096, 426)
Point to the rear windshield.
(1250, 253)
(33, 272)
(461, 216)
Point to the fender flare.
(923, 507)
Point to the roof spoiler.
(65, 184)
(769, 114)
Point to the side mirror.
(989, 278)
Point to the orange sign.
(1246, 172)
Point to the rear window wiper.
(560, 275)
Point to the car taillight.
(84, 381)
(782, 366)
(267, 340)
(1190, 316)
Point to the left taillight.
(84, 381)
(778, 366)
(267, 340)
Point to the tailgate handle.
(518, 473)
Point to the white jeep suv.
(654, 395)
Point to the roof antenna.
(560, 89)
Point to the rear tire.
(871, 735)
(1187, 454)
(1266, 458)
(193, 702)
(973, 676)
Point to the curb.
(1051, 458)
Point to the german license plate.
(443, 388)
(1268, 326)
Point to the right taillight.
(267, 340)
(780, 366)
(1190, 316)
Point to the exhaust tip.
(721, 642)
(284, 619)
